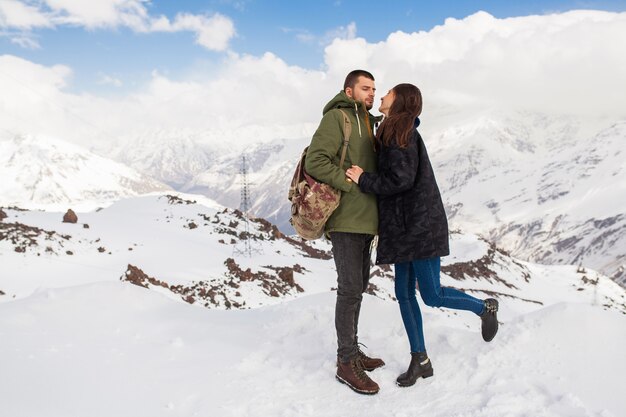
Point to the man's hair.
(352, 78)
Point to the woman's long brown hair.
(399, 124)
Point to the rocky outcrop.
(172, 199)
(273, 285)
(23, 236)
(3, 215)
(70, 217)
(224, 293)
(484, 268)
(136, 276)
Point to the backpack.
(313, 202)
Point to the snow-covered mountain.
(173, 158)
(195, 250)
(128, 301)
(192, 250)
(540, 187)
(47, 172)
(269, 170)
(548, 189)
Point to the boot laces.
(362, 354)
(357, 367)
(491, 306)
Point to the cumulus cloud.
(15, 14)
(212, 32)
(568, 63)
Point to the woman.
(413, 230)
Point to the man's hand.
(354, 173)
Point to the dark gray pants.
(352, 259)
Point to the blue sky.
(297, 32)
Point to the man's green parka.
(357, 211)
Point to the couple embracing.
(388, 189)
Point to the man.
(354, 223)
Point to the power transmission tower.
(244, 207)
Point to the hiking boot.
(353, 375)
(489, 319)
(420, 367)
(369, 364)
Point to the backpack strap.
(347, 131)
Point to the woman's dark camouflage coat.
(412, 220)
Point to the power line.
(244, 206)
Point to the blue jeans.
(426, 273)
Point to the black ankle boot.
(420, 366)
(489, 319)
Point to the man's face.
(363, 91)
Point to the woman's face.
(386, 102)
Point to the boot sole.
(373, 369)
(343, 381)
(426, 375)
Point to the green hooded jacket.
(357, 211)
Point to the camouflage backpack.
(312, 202)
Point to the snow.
(114, 349)
(45, 172)
(81, 342)
(528, 181)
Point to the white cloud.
(15, 14)
(569, 63)
(302, 35)
(212, 32)
(341, 32)
(305, 37)
(105, 79)
(95, 14)
(26, 42)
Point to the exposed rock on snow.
(482, 267)
(153, 233)
(173, 199)
(22, 236)
(70, 217)
(224, 293)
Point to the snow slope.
(195, 243)
(189, 246)
(114, 349)
(211, 331)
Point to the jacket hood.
(341, 100)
